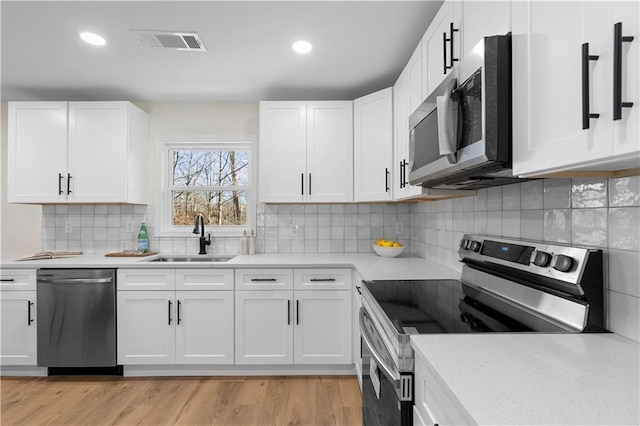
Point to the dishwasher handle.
(74, 280)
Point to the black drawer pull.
(263, 280)
(7, 280)
(169, 312)
(322, 280)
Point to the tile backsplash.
(602, 213)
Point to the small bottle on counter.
(143, 239)
(244, 243)
(252, 243)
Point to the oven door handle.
(377, 358)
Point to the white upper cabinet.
(441, 46)
(563, 87)
(482, 19)
(373, 146)
(414, 77)
(77, 152)
(297, 142)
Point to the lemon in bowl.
(388, 248)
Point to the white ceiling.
(359, 47)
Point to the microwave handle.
(447, 117)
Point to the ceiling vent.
(170, 40)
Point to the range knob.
(561, 263)
(464, 244)
(540, 258)
(474, 246)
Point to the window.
(208, 175)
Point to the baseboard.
(235, 370)
(22, 371)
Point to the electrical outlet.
(294, 230)
(399, 228)
(68, 226)
(129, 226)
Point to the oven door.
(387, 394)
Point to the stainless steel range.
(506, 286)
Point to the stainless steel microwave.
(460, 136)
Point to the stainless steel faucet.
(198, 228)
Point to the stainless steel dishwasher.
(76, 318)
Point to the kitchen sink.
(197, 258)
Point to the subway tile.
(75, 210)
(337, 208)
(180, 245)
(351, 246)
(557, 225)
(100, 220)
(624, 315)
(458, 204)
(324, 208)
(377, 219)
(324, 232)
(377, 208)
(494, 223)
(467, 221)
(271, 246)
(364, 219)
(531, 195)
(337, 233)
(557, 194)
(589, 193)
(297, 209)
(624, 228)
(511, 197)
(324, 246)
(99, 233)
(297, 246)
(589, 227)
(624, 191)
(350, 219)
(310, 220)
(165, 245)
(113, 209)
(350, 209)
(467, 203)
(364, 208)
(62, 209)
(624, 271)
(337, 219)
(284, 246)
(310, 246)
(310, 209)
(531, 224)
(298, 218)
(511, 223)
(324, 219)
(480, 222)
(113, 220)
(480, 201)
(364, 246)
(494, 198)
(126, 209)
(350, 232)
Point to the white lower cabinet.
(289, 326)
(18, 327)
(159, 327)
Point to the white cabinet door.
(329, 175)
(18, 328)
(414, 76)
(146, 330)
(37, 152)
(322, 327)
(436, 50)
(627, 129)
(97, 147)
(373, 146)
(204, 327)
(282, 146)
(264, 327)
(482, 19)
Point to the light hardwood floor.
(90, 400)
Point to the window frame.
(164, 198)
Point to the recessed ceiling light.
(302, 46)
(92, 38)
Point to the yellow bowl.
(387, 251)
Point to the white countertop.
(548, 379)
(369, 265)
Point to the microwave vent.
(174, 40)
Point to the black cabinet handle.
(444, 53)
(401, 176)
(69, 183)
(404, 173)
(178, 318)
(60, 184)
(263, 280)
(618, 39)
(586, 115)
(451, 31)
(309, 183)
(323, 280)
(386, 180)
(7, 280)
(288, 312)
(302, 183)
(169, 312)
(358, 289)
(297, 312)
(29, 305)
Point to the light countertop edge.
(369, 265)
(536, 378)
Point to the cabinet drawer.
(17, 279)
(431, 401)
(204, 279)
(322, 279)
(146, 279)
(264, 279)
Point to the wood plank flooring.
(229, 401)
